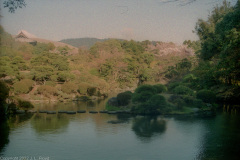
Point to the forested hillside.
(47, 72)
(82, 42)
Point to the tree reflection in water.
(13, 122)
(4, 134)
(146, 127)
(44, 123)
(19, 119)
(222, 141)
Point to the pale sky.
(125, 19)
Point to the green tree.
(206, 96)
(19, 62)
(124, 98)
(183, 90)
(160, 88)
(220, 40)
(65, 76)
(43, 73)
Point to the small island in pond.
(176, 99)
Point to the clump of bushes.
(25, 104)
(92, 91)
(69, 88)
(50, 83)
(124, 98)
(47, 90)
(181, 101)
(183, 90)
(157, 104)
(142, 96)
(147, 100)
(171, 86)
(23, 87)
(160, 88)
(146, 88)
(82, 98)
(206, 96)
(143, 93)
(83, 87)
(87, 89)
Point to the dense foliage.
(220, 52)
(113, 65)
(107, 66)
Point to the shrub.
(65, 76)
(26, 75)
(206, 96)
(180, 103)
(146, 88)
(23, 86)
(160, 88)
(173, 98)
(50, 83)
(25, 104)
(198, 103)
(54, 78)
(142, 96)
(47, 90)
(188, 99)
(189, 78)
(171, 86)
(83, 87)
(92, 91)
(183, 90)
(155, 105)
(124, 98)
(83, 98)
(69, 88)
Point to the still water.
(86, 136)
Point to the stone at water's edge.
(51, 112)
(62, 111)
(81, 111)
(112, 112)
(93, 111)
(42, 111)
(71, 112)
(103, 111)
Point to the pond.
(104, 136)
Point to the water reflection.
(45, 123)
(13, 122)
(222, 141)
(4, 134)
(147, 127)
(18, 120)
